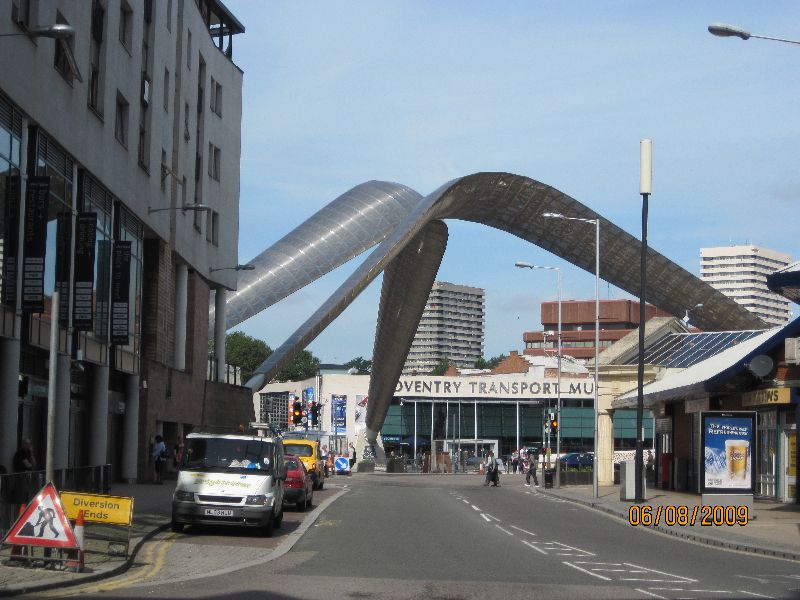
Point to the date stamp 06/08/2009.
(706, 516)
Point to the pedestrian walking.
(532, 460)
(324, 455)
(159, 459)
(352, 455)
(514, 464)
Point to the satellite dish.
(760, 365)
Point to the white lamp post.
(596, 223)
(524, 265)
(724, 30)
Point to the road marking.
(476, 508)
(532, 546)
(485, 518)
(493, 517)
(569, 564)
(651, 594)
(686, 579)
(754, 594)
(465, 501)
(503, 530)
(523, 530)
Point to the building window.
(189, 50)
(121, 120)
(166, 90)
(186, 134)
(169, 15)
(125, 25)
(216, 97)
(213, 161)
(63, 53)
(21, 13)
(164, 175)
(212, 227)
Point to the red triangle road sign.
(43, 523)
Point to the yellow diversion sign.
(114, 510)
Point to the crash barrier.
(20, 488)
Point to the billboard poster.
(85, 242)
(9, 236)
(728, 451)
(339, 416)
(120, 291)
(34, 243)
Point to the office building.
(451, 328)
(740, 272)
(120, 137)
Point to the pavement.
(772, 529)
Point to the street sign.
(43, 523)
(342, 463)
(113, 510)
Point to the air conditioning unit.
(792, 347)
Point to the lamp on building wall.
(525, 265)
(194, 207)
(247, 267)
(60, 32)
(596, 223)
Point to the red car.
(298, 489)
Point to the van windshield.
(298, 449)
(228, 455)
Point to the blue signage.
(341, 463)
(728, 439)
(339, 416)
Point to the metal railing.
(20, 488)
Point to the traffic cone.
(18, 552)
(74, 560)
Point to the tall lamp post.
(645, 188)
(724, 30)
(525, 265)
(596, 223)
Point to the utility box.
(627, 481)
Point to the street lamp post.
(645, 188)
(596, 223)
(524, 265)
(724, 30)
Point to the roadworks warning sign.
(43, 523)
(97, 508)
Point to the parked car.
(309, 453)
(298, 488)
(576, 460)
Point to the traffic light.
(313, 413)
(554, 426)
(297, 412)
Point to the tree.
(441, 367)
(245, 352)
(363, 365)
(491, 363)
(303, 366)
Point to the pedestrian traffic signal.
(297, 412)
(554, 426)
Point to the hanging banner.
(728, 439)
(339, 416)
(63, 248)
(85, 240)
(10, 239)
(35, 243)
(120, 291)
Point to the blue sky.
(419, 93)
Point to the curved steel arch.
(514, 204)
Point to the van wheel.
(176, 527)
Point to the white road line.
(532, 546)
(711, 591)
(651, 594)
(487, 519)
(587, 572)
(476, 508)
(754, 594)
(523, 530)
(650, 580)
(503, 530)
(465, 501)
(661, 572)
(493, 517)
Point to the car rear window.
(298, 449)
(291, 464)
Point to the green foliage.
(246, 352)
(491, 363)
(303, 366)
(363, 365)
(440, 367)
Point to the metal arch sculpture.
(352, 223)
(514, 204)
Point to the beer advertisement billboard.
(339, 416)
(728, 452)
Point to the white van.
(230, 479)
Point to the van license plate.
(218, 512)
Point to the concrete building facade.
(119, 189)
(452, 327)
(741, 272)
